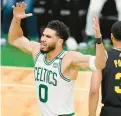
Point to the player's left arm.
(91, 62)
(85, 62)
(94, 92)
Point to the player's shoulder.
(108, 52)
(36, 50)
(113, 51)
(72, 53)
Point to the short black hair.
(116, 30)
(61, 29)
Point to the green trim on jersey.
(48, 63)
(37, 57)
(64, 78)
(72, 114)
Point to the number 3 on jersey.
(43, 93)
(117, 88)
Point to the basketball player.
(55, 69)
(109, 78)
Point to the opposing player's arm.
(94, 92)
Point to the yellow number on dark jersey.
(117, 88)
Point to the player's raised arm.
(100, 60)
(15, 35)
(91, 62)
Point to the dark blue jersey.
(111, 82)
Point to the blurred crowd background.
(76, 14)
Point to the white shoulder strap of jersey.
(63, 54)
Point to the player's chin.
(43, 48)
(44, 51)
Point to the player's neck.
(51, 55)
(117, 45)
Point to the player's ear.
(112, 37)
(60, 41)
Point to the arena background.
(17, 81)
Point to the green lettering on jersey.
(45, 75)
(54, 78)
(45, 72)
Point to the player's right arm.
(94, 92)
(15, 35)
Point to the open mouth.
(43, 45)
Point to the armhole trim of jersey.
(106, 54)
(37, 57)
(61, 75)
(119, 49)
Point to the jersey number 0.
(43, 93)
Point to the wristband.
(99, 40)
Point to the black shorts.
(110, 111)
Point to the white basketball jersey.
(54, 91)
